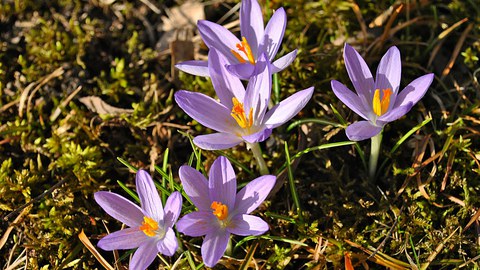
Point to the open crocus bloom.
(221, 210)
(241, 115)
(242, 55)
(150, 226)
(377, 101)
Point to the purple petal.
(225, 84)
(396, 113)
(284, 61)
(274, 33)
(206, 110)
(148, 194)
(288, 108)
(359, 74)
(120, 208)
(414, 91)
(362, 130)
(259, 136)
(251, 23)
(258, 90)
(222, 182)
(144, 255)
(194, 67)
(217, 141)
(124, 239)
(218, 37)
(173, 207)
(245, 225)
(169, 244)
(198, 223)
(253, 194)
(243, 71)
(214, 246)
(349, 98)
(389, 71)
(196, 187)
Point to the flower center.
(380, 106)
(244, 47)
(219, 210)
(149, 226)
(238, 113)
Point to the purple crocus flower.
(221, 210)
(150, 226)
(241, 115)
(243, 55)
(377, 101)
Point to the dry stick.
(387, 236)
(38, 198)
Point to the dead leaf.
(97, 105)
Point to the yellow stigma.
(238, 113)
(149, 226)
(380, 106)
(219, 210)
(244, 47)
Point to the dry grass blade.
(437, 251)
(361, 21)
(64, 103)
(382, 18)
(472, 220)
(26, 92)
(20, 259)
(390, 22)
(451, 158)
(454, 199)
(377, 44)
(151, 6)
(348, 261)
(5, 236)
(381, 258)
(421, 185)
(469, 261)
(94, 251)
(441, 38)
(248, 257)
(456, 50)
(449, 30)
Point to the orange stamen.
(238, 113)
(380, 106)
(219, 210)
(244, 47)
(149, 226)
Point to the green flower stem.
(374, 153)
(257, 153)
